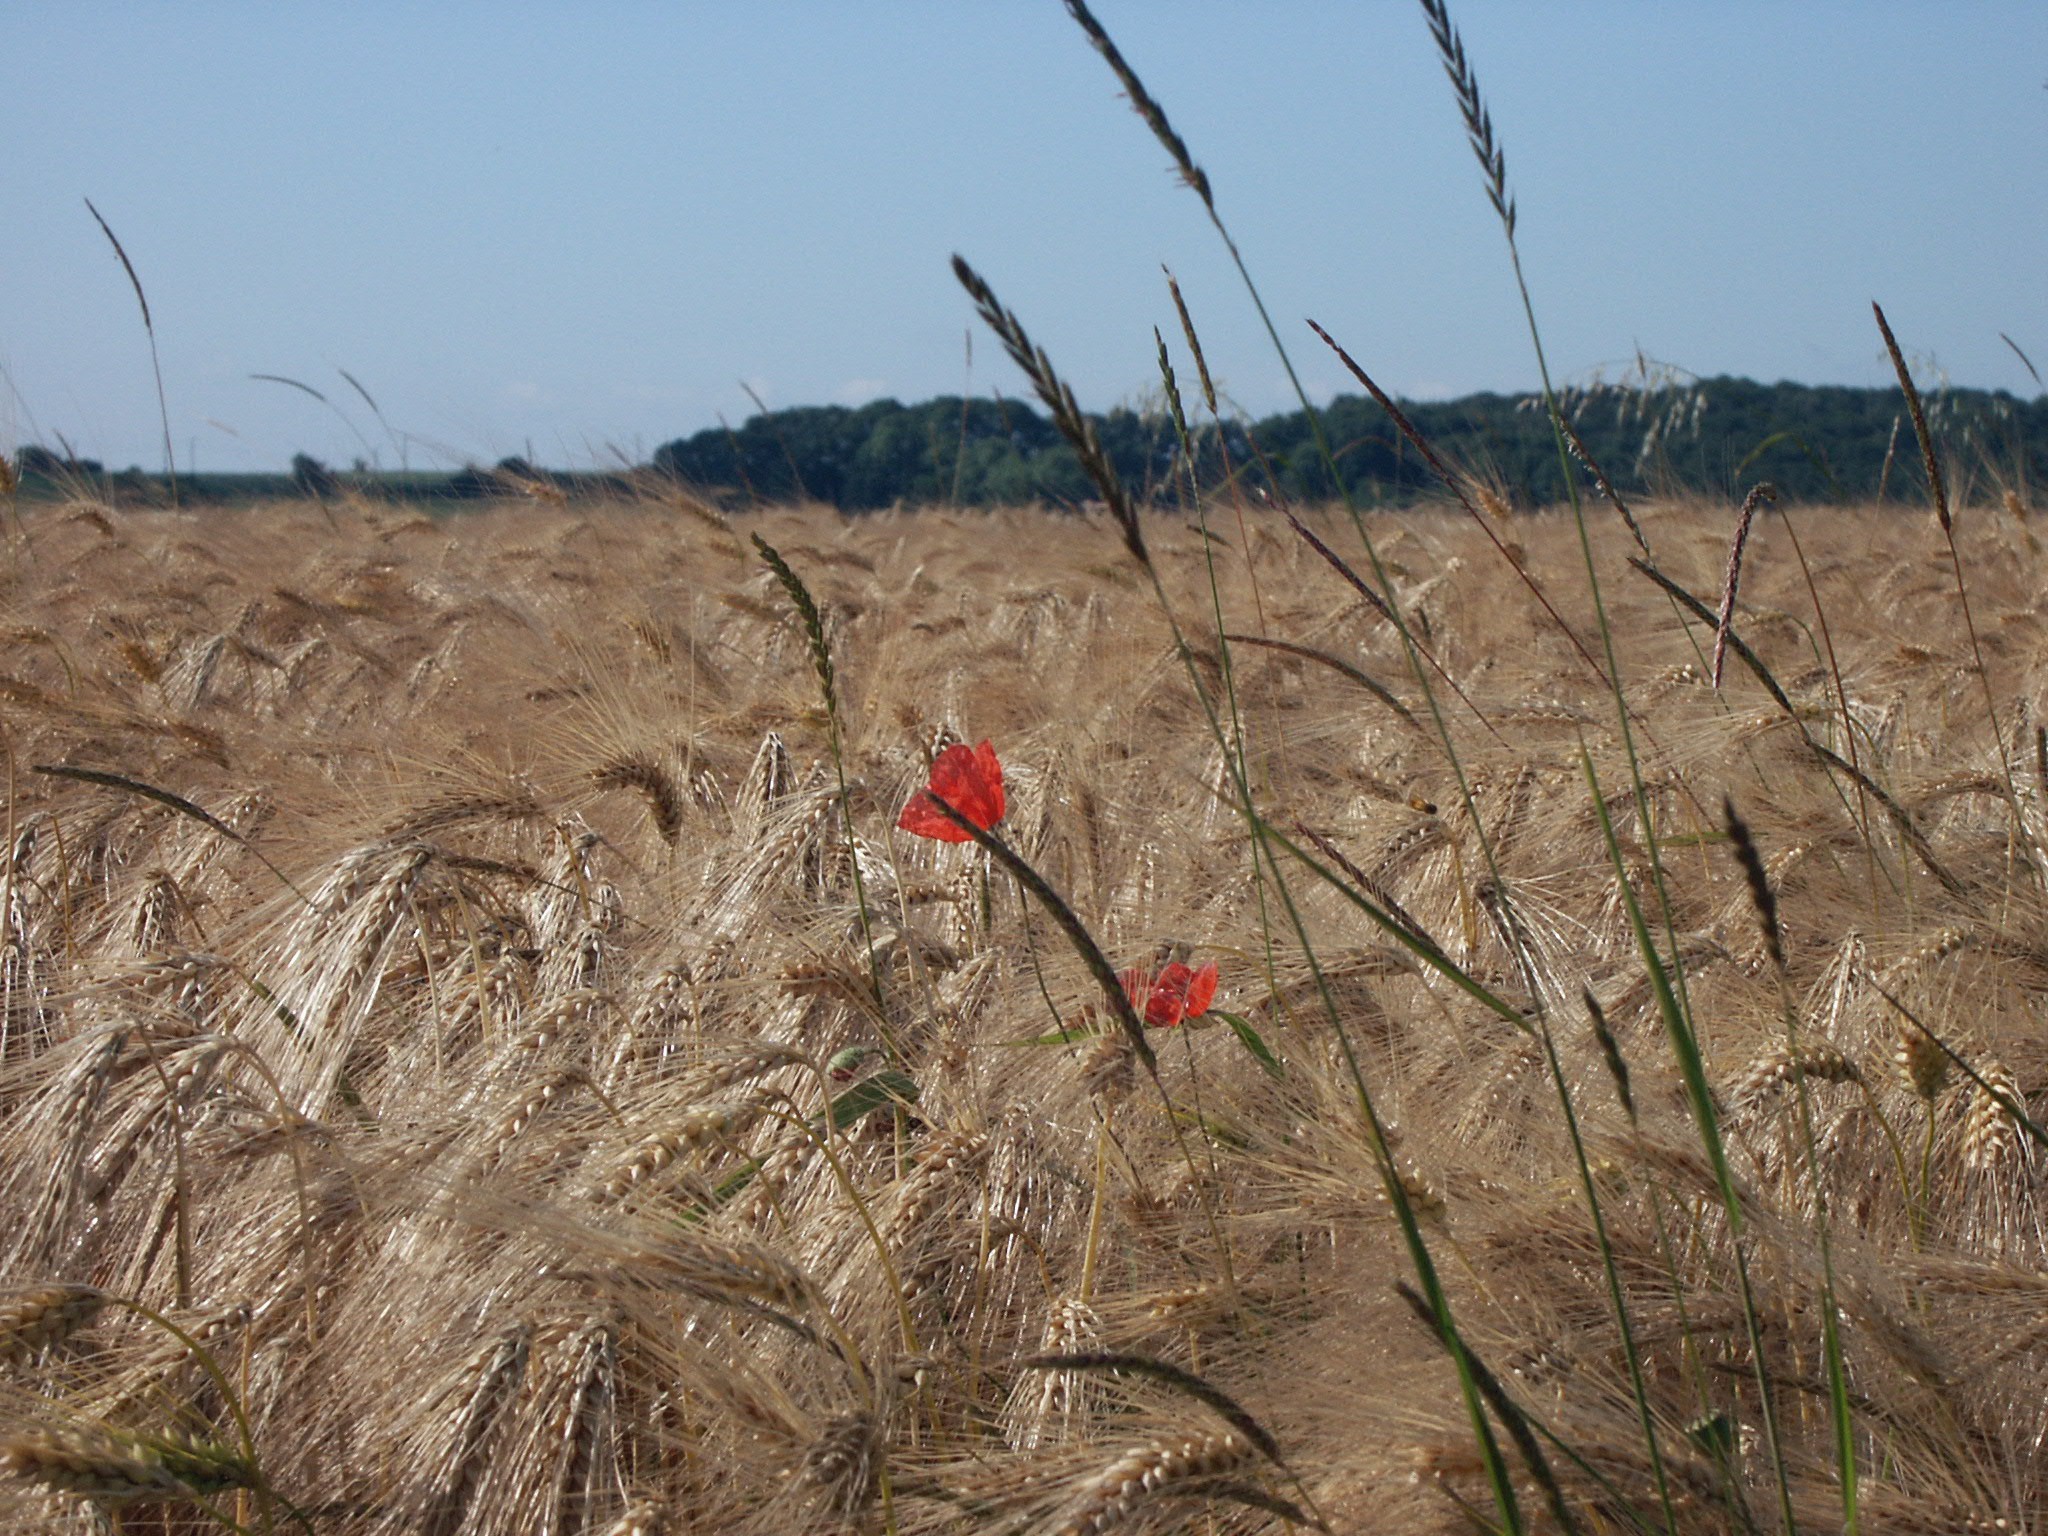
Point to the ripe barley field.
(478, 1054)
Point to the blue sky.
(581, 230)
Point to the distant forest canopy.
(1658, 434)
(1716, 436)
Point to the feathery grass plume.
(1070, 924)
(1492, 160)
(1336, 562)
(1059, 400)
(821, 661)
(149, 329)
(1336, 664)
(807, 611)
(1479, 133)
(1486, 148)
(1679, 1030)
(322, 484)
(1179, 416)
(1761, 492)
(133, 786)
(1937, 487)
(1374, 888)
(375, 410)
(1143, 104)
(1155, 118)
(2026, 361)
(1187, 329)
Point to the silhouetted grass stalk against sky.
(149, 328)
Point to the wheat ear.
(37, 1319)
(1146, 1471)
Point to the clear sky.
(584, 229)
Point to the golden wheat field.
(477, 1059)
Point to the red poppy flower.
(1179, 992)
(968, 779)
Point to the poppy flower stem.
(1077, 934)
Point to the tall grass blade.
(149, 329)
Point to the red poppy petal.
(957, 777)
(991, 768)
(925, 819)
(1168, 1001)
(1201, 991)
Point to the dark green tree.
(312, 478)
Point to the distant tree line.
(44, 474)
(1657, 433)
(1716, 436)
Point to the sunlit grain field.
(475, 1060)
